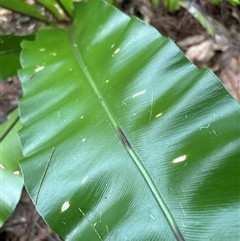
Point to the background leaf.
(172, 5)
(124, 138)
(54, 8)
(67, 6)
(197, 13)
(24, 8)
(10, 174)
(10, 53)
(155, 2)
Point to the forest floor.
(220, 53)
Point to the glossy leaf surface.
(11, 181)
(24, 8)
(124, 138)
(10, 54)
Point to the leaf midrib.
(129, 149)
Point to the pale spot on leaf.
(85, 179)
(39, 68)
(116, 51)
(180, 159)
(65, 206)
(158, 115)
(139, 93)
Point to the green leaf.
(53, 7)
(197, 13)
(172, 5)
(67, 6)
(235, 3)
(155, 3)
(11, 178)
(216, 1)
(112, 2)
(10, 53)
(124, 138)
(24, 8)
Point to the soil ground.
(220, 53)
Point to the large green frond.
(124, 138)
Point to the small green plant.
(123, 138)
(173, 5)
(234, 3)
(193, 8)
